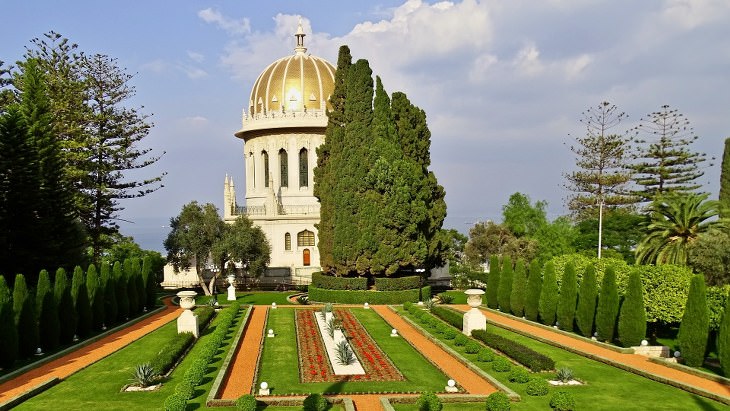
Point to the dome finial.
(300, 49)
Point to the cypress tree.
(568, 298)
(586, 310)
(519, 285)
(150, 283)
(96, 297)
(693, 331)
(49, 328)
(130, 272)
(9, 334)
(493, 282)
(120, 285)
(608, 303)
(723, 340)
(107, 283)
(80, 295)
(64, 302)
(25, 317)
(632, 316)
(549, 295)
(532, 296)
(139, 283)
(725, 182)
(505, 284)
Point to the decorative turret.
(229, 198)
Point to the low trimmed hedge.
(526, 356)
(330, 282)
(171, 352)
(364, 296)
(450, 316)
(397, 284)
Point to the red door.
(305, 257)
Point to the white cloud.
(194, 121)
(528, 60)
(231, 26)
(196, 57)
(693, 13)
(193, 73)
(155, 66)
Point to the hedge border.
(366, 296)
(397, 284)
(330, 282)
(215, 388)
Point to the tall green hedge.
(96, 297)
(519, 285)
(329, 282)
(120, 288)
(532, 296)
(568, 298)
(548, 295)
(397, 284)
(364, 296)
(49, 328)
(150, 283)
(81, 303)
(25, 317)
(505, 284)
(9, 334)
(632, 315)
(608, 304)
(130, 274)
(587, 295)
(695, 324)
(65, 304)
(723, 341)
(493, 282)
(106, 281)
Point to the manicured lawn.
(279, 366)
(253, 298)
(607, 388)
(459, 296)
(98, 386)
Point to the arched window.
(265, 155)
(305, 239)
(306, 259)
(287, 242)
(284, 168)
(253, 168)
(303, 168)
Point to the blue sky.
(503, 83)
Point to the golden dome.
(296, 87)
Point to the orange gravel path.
(632, 360)
(472, 382)
(68, 364)
(239, 380)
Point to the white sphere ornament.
(273, 305)
(264, 385)
(677, 354)
(451, 383)
(594, 338)
(595, 334)
(393, 332)
(366, 306)
(644, 343)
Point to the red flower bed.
(314, 365)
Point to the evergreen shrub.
(315, 402)
(428, 401)
(492, 290)
(9, 335)
(586, 310)
(64, 302)
(537, 387)
(452, 317)
(567, 298)
(562, 401)
(524, 355)
(498, 401)
(120, 288)
(472, 347)
(723, 341)
(330, 282)
(364, 296)
(246, 402)
(485, 355)
(185, 388)
(461, 340)
(176, 402)
(171, 352)
(450, 334)
(548, 295)
(632, 316)
(501, 364)
(397, 284)
(505, 285)
(25, 317)
(695, 324)
(532, 295)
(49, 328)
(608, 305)
(519, 285)
(519, 375)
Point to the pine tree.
(725, 182)
(505, 285)
(48, 326)
(120, 288)
(664, 162)
(549, 295)
(492, 290)
(9, 335)
(150, 283)
(66, 311)
(586, 311)
(695, 326)
(608, 305)
(130, 274)
(107, 283)
(519, 285)
(601, 161)
(532, 297)
(96, 297)
(25, 317)
(568, 298)
(632, 316)
(723, 340)
(80, 295)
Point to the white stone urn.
(187, 299)
(188, 321)
(231, 279)
(474, 297)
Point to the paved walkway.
(636, 361)
(68, 364)
(243, 369)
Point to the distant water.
(148, 232)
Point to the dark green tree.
(492, 290)
(49, 329)
(608, 305)
(80, 296)
(586, 311)
(243, 243)
(664, 162)
(601, 159)
(532, 296)
(130, 273)
(723, 340)
(150, 282)
(549, 295)
(96, 297)
(519, 289)
(107, 283)
(725, 182)
(487, 238)
(25, 317)
(709, 255)
(139, 283)
(622, 231)
(505, 284)
(9, 335)
(522, 218)
(695, 326)
(568, 298)
(632, 315)
(66, 311)
(120, 288)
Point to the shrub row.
(450, 316)
(171, 352)
(397, 284)
(529, 358)
(371, 297)
(329, 282)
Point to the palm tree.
(676, 220)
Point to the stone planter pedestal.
(657, 351)
(188, 321)
(474, 319)
(231, 288)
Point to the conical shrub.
(568, 298)
(695, 324)
(111, 310)
(25, 317)
(96, 297)
(9, 334)
(49, 328)
(519, 285)
(505, 285)
(632, 316)
(549, 295)
(120, 286)
(723, 340)
(586, 311)
(493, 282)
(532, 296)
(65, 304)
(608, 304)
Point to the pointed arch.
(284, 168)
(303, 168)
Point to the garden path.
(240, 379)
(631, 361)
(74, 361)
